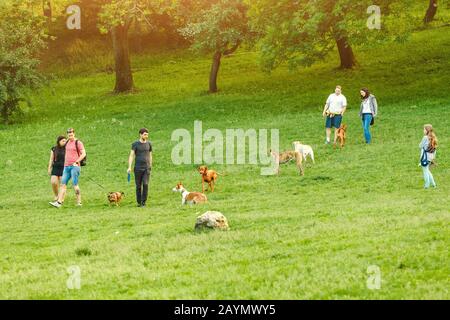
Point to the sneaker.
(79, 204)
(55, 204)
(327, 142)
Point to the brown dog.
(208, 176)
(115, 197)
(288, 156)
(341, 135)
(189, 197)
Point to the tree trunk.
(348, 60)
(8, 107)
(214, 71)
(5, 114)
(431, 12)
(124, 77)
(47, 8)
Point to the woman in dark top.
(56, 163)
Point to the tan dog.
(115, 197)
(208, 176)
(341, 135)
(189, 197)
(288, 156)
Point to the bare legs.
(63, 191)
(55, 181)
(328, 132)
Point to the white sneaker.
(79, 205)
(56, 204)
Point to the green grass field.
(291, 237)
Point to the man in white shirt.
(333, 111)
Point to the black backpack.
(83, 161)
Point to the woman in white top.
(368, 112)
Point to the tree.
(116, 17)
(22, 38)
(431, 11)
(219, 28)
(47, 9)
(302, 32)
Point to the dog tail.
(221, 174)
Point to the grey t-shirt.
(142, 152)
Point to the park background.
(291, 237)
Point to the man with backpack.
(74, 159)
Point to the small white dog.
(304, 150)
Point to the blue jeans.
(428, 177)
(71, 172)
(366, 119)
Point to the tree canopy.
(22, 38)
(302, 32)
(219, 27)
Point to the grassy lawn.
(291, 237)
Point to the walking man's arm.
(151, 159)
(130, 160)
(81, 157)
(325, 109)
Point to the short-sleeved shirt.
(142, 152)
(59, 155)
(336, 103)
(72, 154)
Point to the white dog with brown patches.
(189, 197)
(304, 150)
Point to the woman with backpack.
(368, 111)
(56, 164)
(428, 147)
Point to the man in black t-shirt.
(141, 151)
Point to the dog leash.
(89, 178)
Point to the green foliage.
(219, 27)
(124, 12)
(22, 38)
(302, 32)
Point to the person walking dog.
(334, 111)
(368, 111)
(428, 147)
(141, 152)
(75, 157)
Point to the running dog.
(288, 156)
(189, 197)
(115, 197)
(341, 135)
(304, 150)
(208, 176)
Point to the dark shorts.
(335, 121)
(57, 171)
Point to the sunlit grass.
(291, 237)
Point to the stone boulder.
(211, 220)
